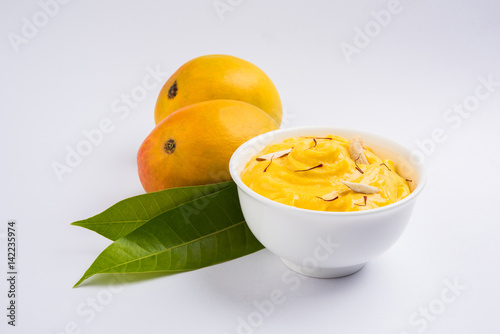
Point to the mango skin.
(193, 145)
(214, 77)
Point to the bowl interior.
(381, 146)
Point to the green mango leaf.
(131, 213)
(192, 236)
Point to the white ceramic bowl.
(326, 244)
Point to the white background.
(64, 78)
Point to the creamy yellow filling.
(310, 176)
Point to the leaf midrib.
(177, 246)
(146, 220)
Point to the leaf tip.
(79, 282)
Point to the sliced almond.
(361, 188)
(332, 196)
(356, 151)
(274, 155)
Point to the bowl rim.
(419, 167)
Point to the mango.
(215, 77)
(193, 145)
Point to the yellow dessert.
(325, 173)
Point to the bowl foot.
(323, 272)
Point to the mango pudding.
(327, 173)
